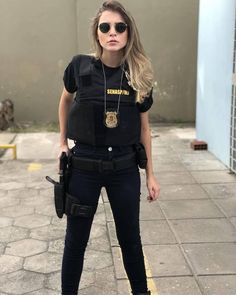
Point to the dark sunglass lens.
(121, 27)
(104, 27)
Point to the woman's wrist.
(149, 173)
(63, 142)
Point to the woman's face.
(112, 40)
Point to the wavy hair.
(140, 72)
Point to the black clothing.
(86, 118)
(123, 190)
(94, 140)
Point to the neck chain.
(111, 116)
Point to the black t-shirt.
(73, 80)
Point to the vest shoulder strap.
(85, 64)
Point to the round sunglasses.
(119, 27)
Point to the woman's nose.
(112, 31)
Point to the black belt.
(115, 164)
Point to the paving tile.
(95, 290)
(228, 205)
(218, 285)
(215, 258)
(10, 264)
(172, 166)
(108, 212)
(166, 260)
(56, 246)
(213, 176)
(177, 286)
(46, 192)
(118, 263)
(48, 209)
(16, 211)
(233, 220)
(163, 260)
(112, 233)
(156, 232)
(100, 244)
(172, 178)
(3, 193)
(221, 190)
(43, 263)
(7, 201)
(35, 201)
(59, 221)
(97, 260)
(123, 286)
(5, 221)
(47, 233)
(12, 233)
(202, 162)
(25, 248)
(172, 158)
(105, 278)
(21, 282)
(53, 281)
(11, 185)
(2, 248)
(181, 192)
(39, 184)
(190, 209)
(87, 279)
(97, 231)
(44, 292)
(32, 221)
(150, 211)
(204, 230)
(99, 217)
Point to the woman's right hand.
(63, 148)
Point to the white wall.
(214, 77)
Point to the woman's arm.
(152, 184)
(64, 106)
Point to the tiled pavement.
(189, 235)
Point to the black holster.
(141, 155)
(60, 188)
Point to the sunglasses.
(119, 27)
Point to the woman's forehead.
(111, 16)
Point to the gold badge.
(111, 119)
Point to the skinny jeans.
(123, 191)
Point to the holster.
(141, 155)
(60, 188)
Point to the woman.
(107, 120)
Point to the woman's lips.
(112, 41)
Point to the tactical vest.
(86, 116)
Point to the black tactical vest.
(86, 116)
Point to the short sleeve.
(69, 78)
(146, 104)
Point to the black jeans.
(123, 190)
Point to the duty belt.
(115, 164)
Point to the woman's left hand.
(153, 188)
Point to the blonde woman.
(108, 121)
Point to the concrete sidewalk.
(189, 235)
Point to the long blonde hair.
(140, 73)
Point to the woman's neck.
(112, 59)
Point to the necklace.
(111, 116)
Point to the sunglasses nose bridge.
(112, 30)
